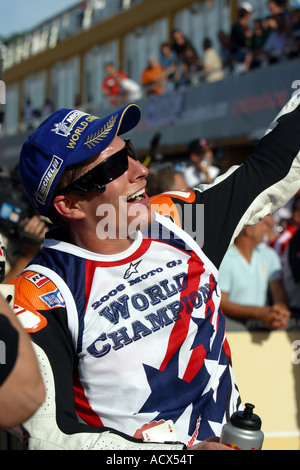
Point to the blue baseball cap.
(67, 137)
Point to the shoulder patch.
(34, 292)
(164, 204)
(31, 321)
(39, 280)
(53, 299)
(187, 196)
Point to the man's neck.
(245, 249)
(106, 246)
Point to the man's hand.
(32, 235)
(34, 229)
(212, 443)
(276, 316)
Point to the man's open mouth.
(139, 196)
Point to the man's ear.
(68, 207)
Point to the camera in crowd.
(15, 210)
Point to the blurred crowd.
(252, 42)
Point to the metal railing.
(80, 17)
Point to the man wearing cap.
(122, 302)
(202, 170)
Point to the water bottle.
(243, 432)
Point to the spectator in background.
(225, 50)
(191, 68)
(212, 63)
(281, 242)
(277, 7)
(130, 90)
(165, 180)
(295, 32)
(168, 60)
(279, 42)
(28, 113)
(267, 24)
(240, 38)
(250, 271)
(111, 84)
(258, 39)
(291, 276)
(47, 108)
(202, 169)
(180, 43)
(81, 11)
(187, 57)
(152, 77)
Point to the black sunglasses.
(108, 170)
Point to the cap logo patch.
(96, 138)
(65, 127)
(76, 135)
(47, 179)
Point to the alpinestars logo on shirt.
(131, 270)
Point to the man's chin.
(142, 220)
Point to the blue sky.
(21, 15)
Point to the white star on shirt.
(215, 371)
